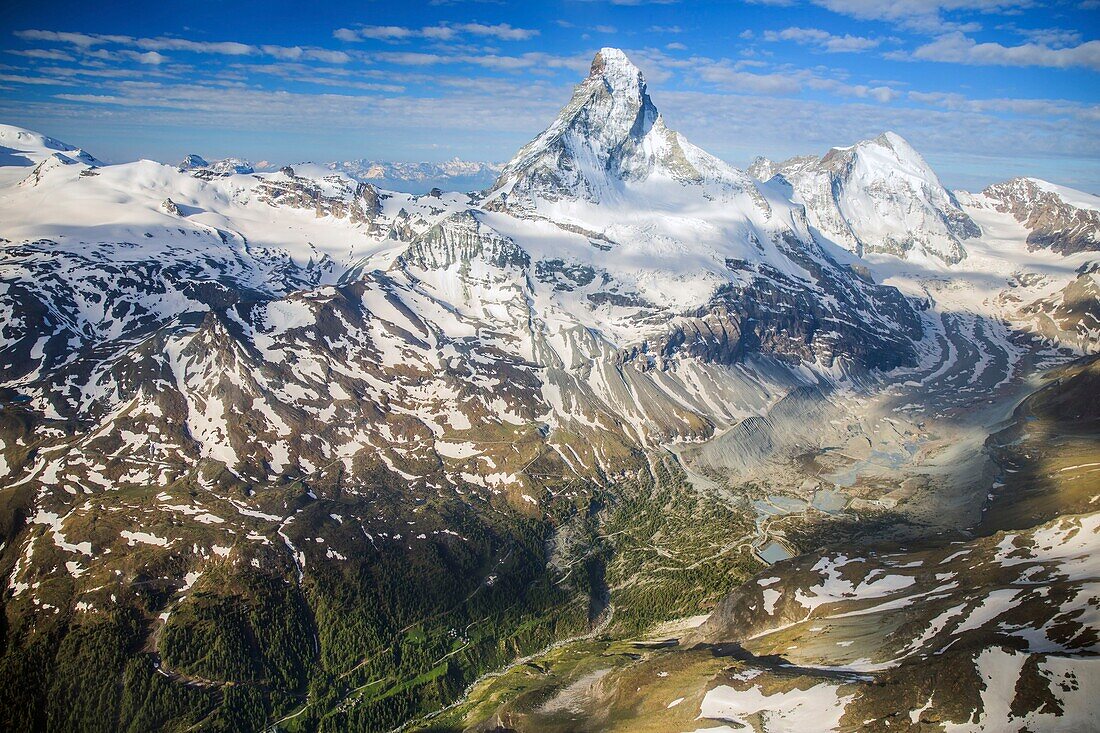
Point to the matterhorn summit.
(608, 139)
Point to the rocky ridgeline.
(1052, 222)
(851, 194)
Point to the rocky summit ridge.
(877, 196)
(610, 134)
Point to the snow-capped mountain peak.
(223, 167)
(420, 176)
(622, 77)
(889, 154)
(1028, 187)
(192, 161)
(21, 149)
(35, 146)
(877, 196)
(1056, 217)
(609, 134)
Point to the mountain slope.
(988, 633)
(22, 149)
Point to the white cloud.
(728, 76)
(961, 49)
(345, 34)
(823, 39)
(80, 40)
(384, 32)
(922, 15)
(150, 57)
(1039, 108)
(328, 76)
(520, 109)
(1055, 37)
(86, 43)
(47, 54)
(323, 54)
(500, 31)
(409, 58)
(296, 53)
(880, 93)
(34, 80)
(441, 32)
(783, 81)
(498, 62)
(104, 73)
(290, 53)
(534, 59)
(226, 48)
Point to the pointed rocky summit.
(609, 134)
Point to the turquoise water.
(773, 552)
(775, 505)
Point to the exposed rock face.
(953, 635)
(774, 315)
(990, 632)
(857, 196)
(1059, 220)
(997, 631)
(193, 162)
(51, 163)
(607, 168)
(798, 422)
(762, 169)
(1071, 314)
(459, 239)
(331, 196)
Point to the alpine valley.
(631, 440)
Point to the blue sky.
(986, 89)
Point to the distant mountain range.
(451, 175)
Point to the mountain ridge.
(861, 193)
